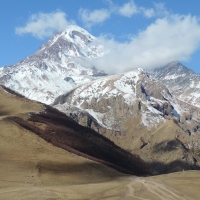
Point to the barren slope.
(31, 168)
(58, 129)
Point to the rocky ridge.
(139, 114)
(120, 95)
(183, 83)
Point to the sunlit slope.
(28, 164)
(61, 131)
(31, 168)
(11, 104)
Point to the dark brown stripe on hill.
(65, 133)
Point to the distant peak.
(174, 67)
(140, 70)
(75, 28)
(178, 66)
(69, 31)
(71, 28)
(72, 34)
(174, 63)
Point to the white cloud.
(148, 12)
(91, 18)
(98, 16)
(94, 17)
(43, 25)
(160, 9)
(128, 9)
(171, 38)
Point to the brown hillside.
(58, 129)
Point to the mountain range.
(137, 122)
(64, 62)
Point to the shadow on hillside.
(175, 166)
(166, 146)
(85, 169)
(63, 132)
(4, 111)
(71, 168)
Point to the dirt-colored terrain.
(32, 168)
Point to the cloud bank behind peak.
(42, 25)
(175, 37)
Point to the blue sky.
(139, 33)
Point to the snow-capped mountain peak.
(58, 66)
(74, 42)
(172, 71)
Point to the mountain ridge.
(138, 113)
(183, 82)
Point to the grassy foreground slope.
(32, 168)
